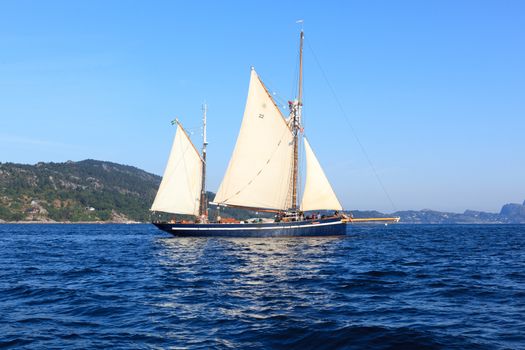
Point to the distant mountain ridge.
(93, 190)
(510, 214)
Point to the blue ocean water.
(380, 287)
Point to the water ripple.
(131, 286)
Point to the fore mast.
(295, 114)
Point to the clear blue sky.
(434, 89)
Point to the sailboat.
(262, 175)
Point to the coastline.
(72, 222)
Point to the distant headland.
(510, 214)
(96, 191)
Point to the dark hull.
(323, 227)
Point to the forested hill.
(89, 190)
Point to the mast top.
(300, 94)
(301, 22)
(204, 112)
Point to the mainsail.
(259, 172)
(180, 189)
(318, 194)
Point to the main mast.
(203, 208)
(296, 126)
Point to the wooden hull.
(310, 228)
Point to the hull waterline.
(312, 228)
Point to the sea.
(67, 286)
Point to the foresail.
(180, 188)
(259, 172)
(318, 193)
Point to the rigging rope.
(351, 126)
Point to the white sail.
(180, 188)
(318, 194)
(260, 170)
